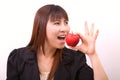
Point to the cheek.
(51, 32)
(68, 30)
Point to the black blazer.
(22, 65)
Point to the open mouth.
(61, 37)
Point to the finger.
(96, 34)
(92, 29)
(83, 38)
(86, 29)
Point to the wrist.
(93, 55)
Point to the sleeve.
(85, 72)
(12, 73)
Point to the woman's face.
(56, 32)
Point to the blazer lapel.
(31, 66)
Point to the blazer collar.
(29, 56)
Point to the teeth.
(61, 37)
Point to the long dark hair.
(52, 12)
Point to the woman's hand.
(88, 46)
(88, 40)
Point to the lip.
(61, 41)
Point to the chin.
(61, 47)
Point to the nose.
(64, 28)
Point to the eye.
(66, 22)
(57, 23)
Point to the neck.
(49, 52)
(45, 62)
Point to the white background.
(16, 20)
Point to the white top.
(44, 75)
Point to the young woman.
(47, 58)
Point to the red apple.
(72, 39)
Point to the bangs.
(57, 13)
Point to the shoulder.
(20, 55)
(19, 62)
(70, 55)
(72, 52)
(15, 53)
(75, 63)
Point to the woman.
(47, 58)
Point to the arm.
(99, 73)
(88, 47)
(12, 73)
